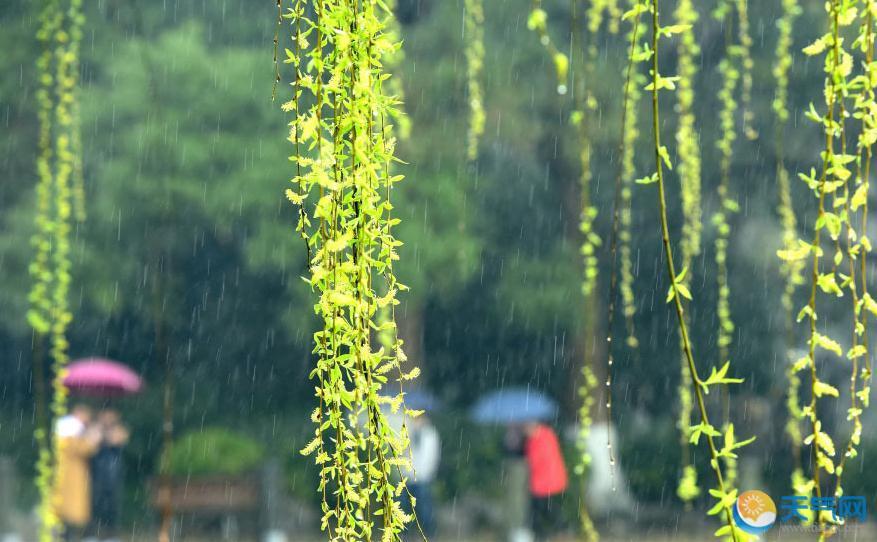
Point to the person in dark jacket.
(107, 471)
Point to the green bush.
(215, 451)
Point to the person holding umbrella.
(103, 378)
(533, 465)
(77, 441)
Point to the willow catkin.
(474, 43)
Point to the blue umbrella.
(415, 399)
(421, 399)
(514, 405)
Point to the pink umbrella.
(101, 377)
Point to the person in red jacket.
(548, 477)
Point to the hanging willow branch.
(620, 235)
(687, 136)
(40, 312)
(633, 81)
(78, 180)
(746, 65)
(586, 107)
(723, 493)
(730, 76)
(67, 81)
(687, 141)
(537, 21)
(585, 104)
(791, 271)
(343, 151)
(59, 165)
(737, 59)
(833, 177)
(587, 391)
(857, 243)
(474, 38)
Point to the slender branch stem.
(616, 214)
(671, 271)
(831, 96)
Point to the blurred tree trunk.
(164, 358)
(8, 488)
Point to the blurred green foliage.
(215, 451)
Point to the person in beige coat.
(71, 496)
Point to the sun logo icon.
(755, 512)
